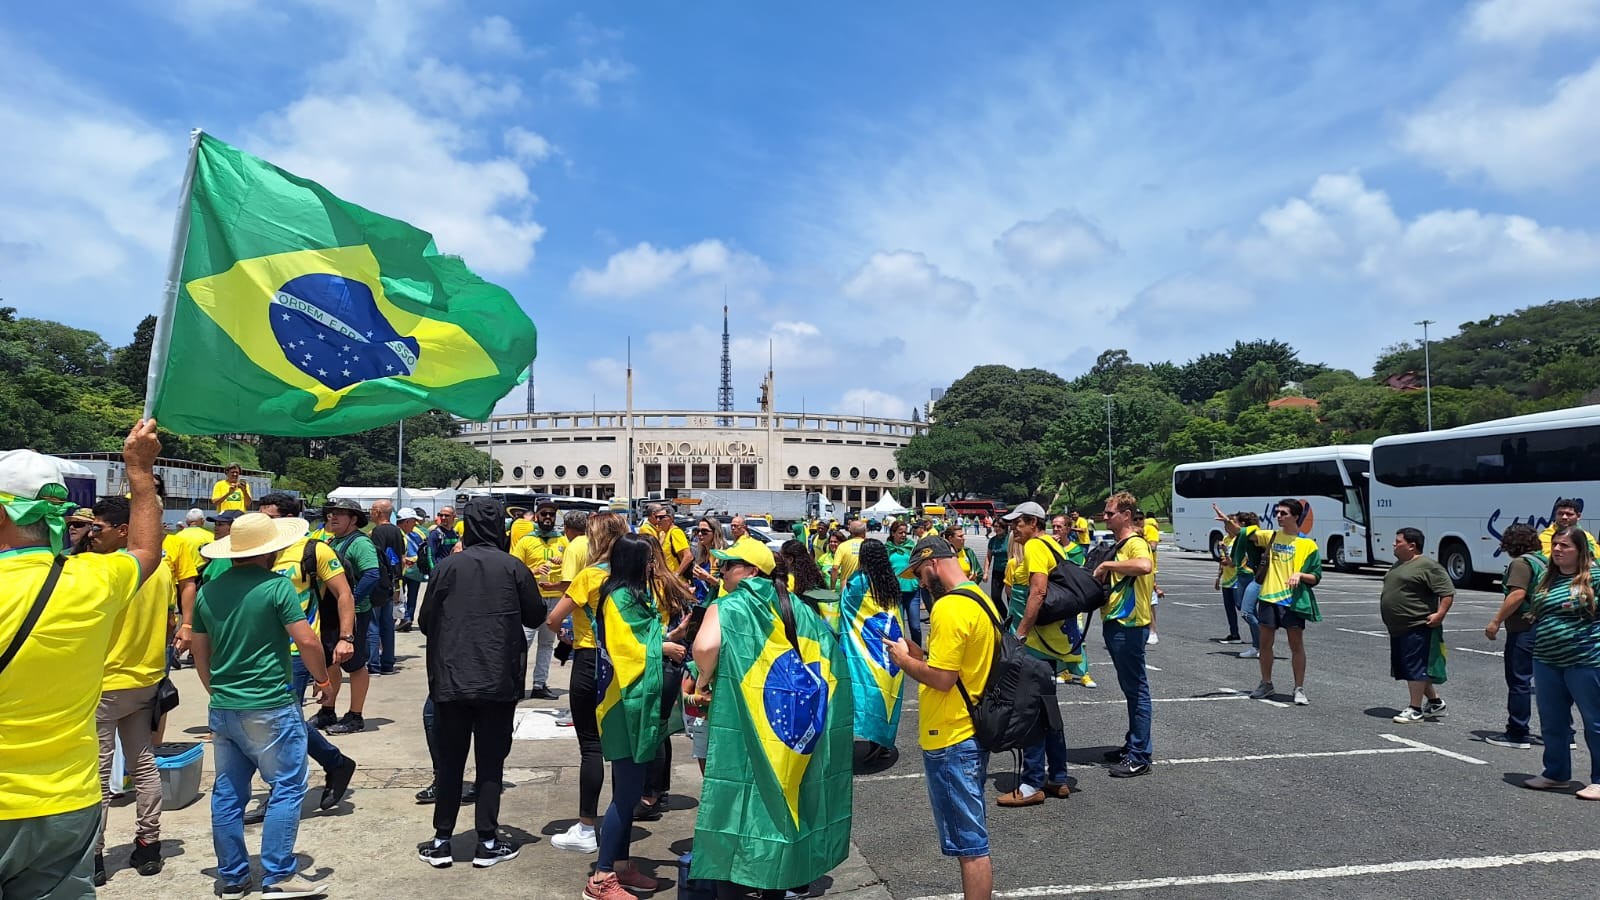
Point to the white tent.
(429, 499)
(886, 506)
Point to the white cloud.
(1190, 297)
(1545, 143)
(872, 402)
(496, 34)
(589, 77)
(527, 147)
(644, 268)
(907, 277)
(1063, 239)
(1529, 22)
(448, 88)
(480, 209)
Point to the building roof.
(1293, 403)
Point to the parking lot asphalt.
(1266, 799)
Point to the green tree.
(130, 365)
(318, 477)
(1002, 414)
(440, 462)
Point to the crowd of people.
(787, 671)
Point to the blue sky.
(889, 193)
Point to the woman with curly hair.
(870, 613)
(1566, 659)
(1527, 566)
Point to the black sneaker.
(436, 854)
(647, 812)
(1506, 740)
(324, 719)
(1230, 639)
(257, 813)
(487, 856)
(540, 692)
(428, 794)
(338, 782)
(469, 793)
(235, 891)
(1115, 756)
(1129, 769)
(146, 857)
(99, 870)
(351, 723)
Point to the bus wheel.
(1216, 546)
(1341, 562)
(1457, 563)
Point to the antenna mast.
(725, 390)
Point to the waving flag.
(776, 801)
(295, 313)
(629, 683)
(878, 683)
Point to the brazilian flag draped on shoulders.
(878, 684)
(627, 631)
(776, 802)
(296, 313)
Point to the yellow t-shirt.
(49, 750)
(461, 528)
(520, 528)
(961, 639)
(1080, 530)
(847, 558)
(227, 496)
(1547, 535)
(1130, 604)
(1230, 572)
(1152, 536)
(184, 551)
(1037, 556)
(534, 550)
(328, 567)
(576, 558)
(1285, 555)
(137, 656)
(673, 542)
(585, 592)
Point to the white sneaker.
(1249, 653)
(1153, 638)
(580, 838)
(1409, 716)
(1300, 698)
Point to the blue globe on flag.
(796, 701)
(330, 328)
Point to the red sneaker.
(607, 888)
(633, 878)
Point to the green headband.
(51, 508)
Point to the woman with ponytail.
(1566, 659)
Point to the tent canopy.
(429, 499)
(886, 506)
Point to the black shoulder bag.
(32, 618)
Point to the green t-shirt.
(214, 570)
(360, 557)
(244, 612)
(1411, 593)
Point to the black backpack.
(1072, 589)
(1018, 705)
(327, 603)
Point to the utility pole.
(1427, 369)
(1213, 449)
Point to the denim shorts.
(699, 734)
(1271, 615)
(1408, 654)
(955, 791)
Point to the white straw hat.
(255, 534)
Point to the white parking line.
(1408, 867)
(1229, 694)
(1432, 749)
(1367, 633)
(1484, 652)
(1267, 700)
(1310, 754)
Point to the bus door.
(1358, 498)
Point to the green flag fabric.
(299, 314)
(775, 805)
(628, 633)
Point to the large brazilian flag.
(293, 312)
(878, 684)
(776, 802)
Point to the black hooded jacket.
(477, 602)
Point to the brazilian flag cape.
(627, 632)
(292, 312)
(878, 683)
(776, 802)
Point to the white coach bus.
(1330, 481)
(1463, 486)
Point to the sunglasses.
(702, 531)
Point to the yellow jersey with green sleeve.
(288, 564)
(536, 549)
(961, 639)
(1284, 555)
(137, 656)
(49, 749)
(1131, 594)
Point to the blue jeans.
(955, 791)
(1053, 749)
(911, 607)
(1247, 609)
(380, 638)
(320, 748)
(545, 649)
(1556, 689)
(272, 741)
(1519, 683)
(616, 829)
(1126, 645)
(409, 613)
(1230, 607)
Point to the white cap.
(24, 473)
(1025, 509)
(409, 513)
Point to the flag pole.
(400, 466)
(169, 296)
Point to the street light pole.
(1213, 449)
(1427, 369)
(1111, 472)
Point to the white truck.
(779, 506)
